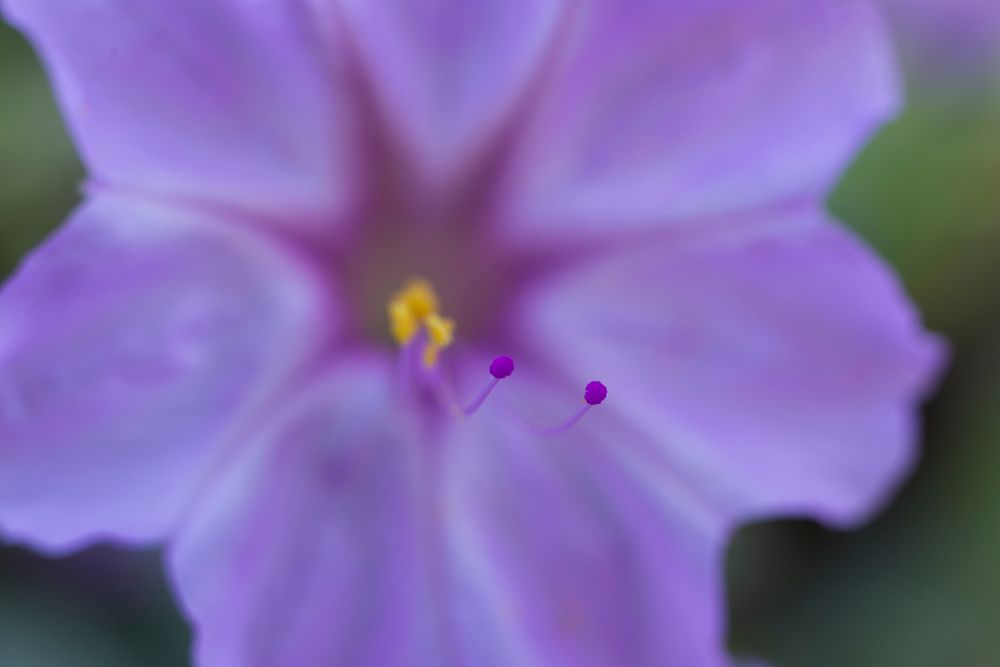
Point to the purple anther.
(502, 367)
(595, 393)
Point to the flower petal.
(131, 345)
(228, 101)
(307, 552)
(667, 111)
(565, 558)
(780, 372)
(448, 71)
(342, 539)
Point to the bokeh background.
(920, 586)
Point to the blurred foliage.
(920, 586)
(926, 194)
(39, 170)
(101, 608)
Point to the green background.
(920, 586)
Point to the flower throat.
(416, 323)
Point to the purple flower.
(624, 190)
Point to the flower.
(220, 350)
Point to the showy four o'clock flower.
(454, 332)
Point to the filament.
(502, 367)
(594, 394)
(416, 323)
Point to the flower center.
(473, 281)
(415, 319)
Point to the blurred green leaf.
(39, 169)
(926, 194)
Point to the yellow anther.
(416, 306)
(421, 298)
(402, 322)
(442, 332)
(440, 329)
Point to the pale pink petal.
(346, 537)
(132, 344)
(447, 72)
(309, 551)
(657, 112)
(563, 556)
(236, 102)
(781, 372)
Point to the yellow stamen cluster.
(416, 307)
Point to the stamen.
(593, 394)
(441, 329)
(416, 307)
(501, 368)
(415, 311)
(402, 323)
(421, 297)
(442, 334)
